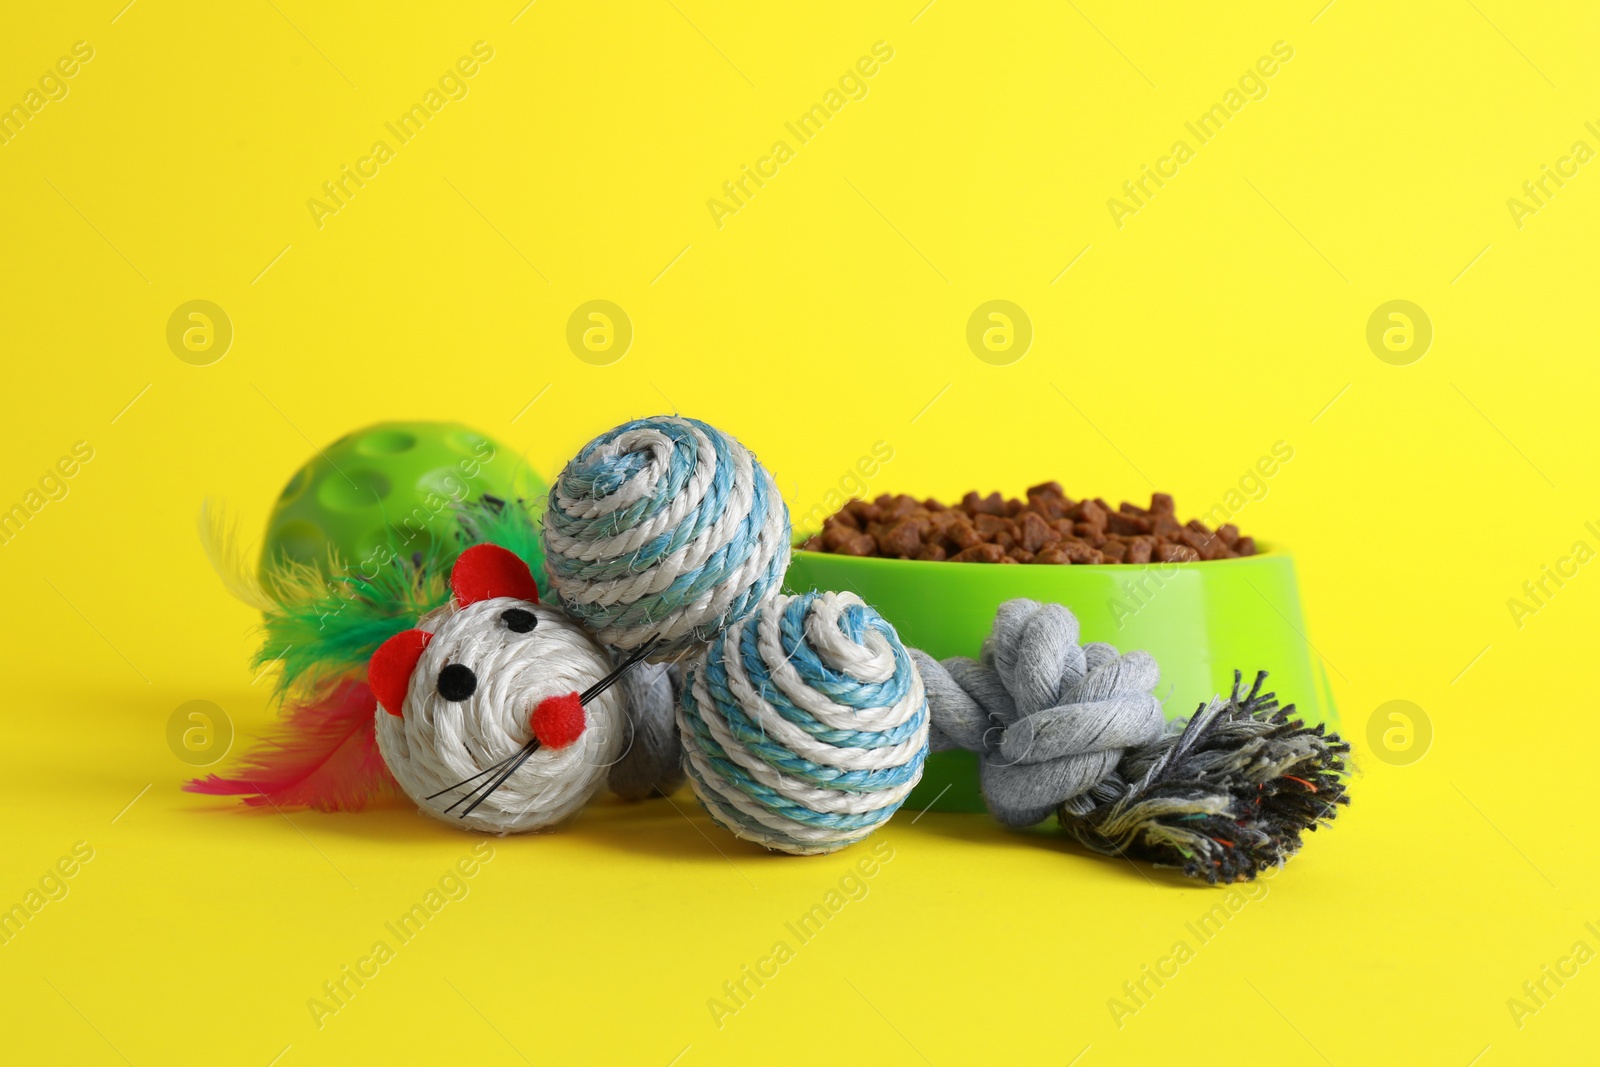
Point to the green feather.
(322, 627)
(513, 526)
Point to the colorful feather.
(514, 527)
(219, 534)
(324, 755)
(320, 626)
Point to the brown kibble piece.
(858, 544)
(962, 535)
(1002, 532)
(1050, 507)
(904, 538)
(836, 535)
(990, 525)
(1033, 533)
(1167, 552)
(1088, 513)
(1201, 543)
(1121, 522)
(984, 553)
(864, 545)
(1079, 551)
(993, 504)
(1092, 534)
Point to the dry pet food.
(1047, 527)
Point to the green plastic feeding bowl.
(1200, 621)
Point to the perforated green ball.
(390, 490)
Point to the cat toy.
(665, 530)
(332, 751)
(804, 725)
(1077, 731)
(486, 691)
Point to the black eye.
(519, 620)
(457, 682)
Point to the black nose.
(457, 682)
(519, 620)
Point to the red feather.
(324, 756)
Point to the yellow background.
(827, 314)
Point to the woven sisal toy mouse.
(495, 709)
(319, 634)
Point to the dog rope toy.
(1077, 731)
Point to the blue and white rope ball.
(664, 527)
(805, 725)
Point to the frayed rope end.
(1225, 797)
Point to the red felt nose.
(558, 721)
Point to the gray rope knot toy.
(1078, 731)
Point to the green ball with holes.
(390, 490)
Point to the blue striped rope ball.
(664, 528)
(805, 725)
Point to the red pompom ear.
(483, 572)
(389, 669)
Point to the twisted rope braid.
(805, 725)
(664, 527)
(1076, 730)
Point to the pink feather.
(323, 756)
